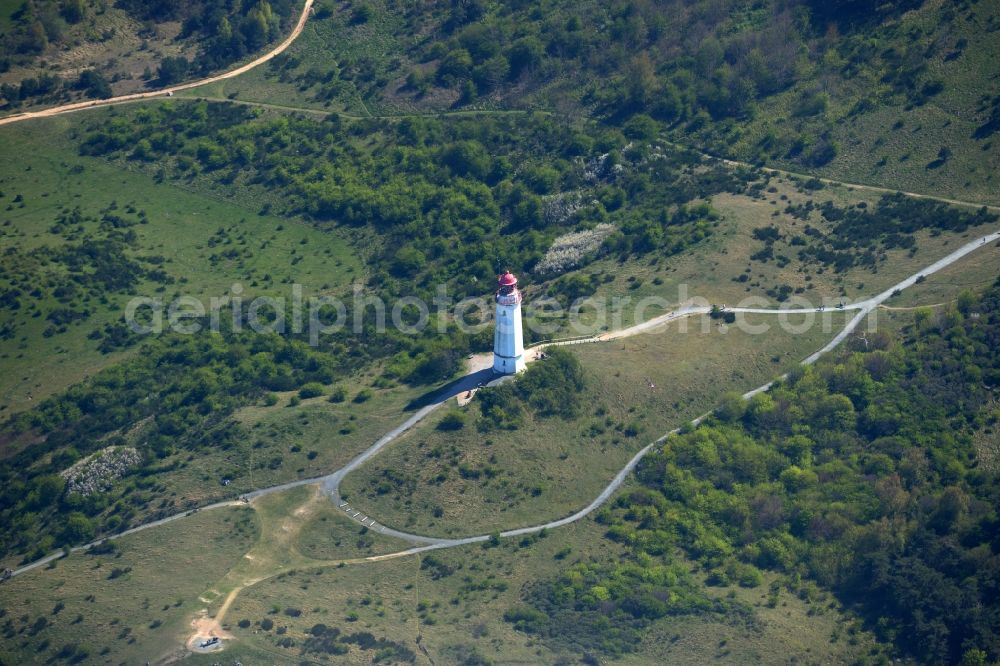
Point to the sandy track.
(330, 483)
(166, 92)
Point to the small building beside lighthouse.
(508, 340)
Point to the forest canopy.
(862, 476)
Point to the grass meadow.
(447, 607)
(191, 230)
(126, 607)
(459, 483)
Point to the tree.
(527, 211)
(456, 65)
(436, 366)
(172, 70)
(36, 40)
(73, 10)
(408, 262)
(974, 657)
(480, 40)
(94, 84)
(311, 390)
(363, 13)
(524, 55)
(11, 93)
(467, 158)
(453, 420)
(254, 30)
(78, 528)
(640, 82)
(667, 105)
(491, 73)
(641, 127)
(732, 407)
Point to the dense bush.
(180, 388)
(702, 70)
(861, 474)
(324, 640)
(551, 387)
(441, 194)
(225, 33)
(860, 234)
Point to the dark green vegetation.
(860, 236)
(551, 388)
(452, 200)
(830, 484)
(101, 39)
(178, 392)
(324, 640)
(902, 95)
(520, 455)
(80, 237)
(174, 401)
(448, 606)
(95, 262)
(177, 396)
(859, 476)
(602, 608)
(225, 33)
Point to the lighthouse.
(508, 342)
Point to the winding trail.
(832, 181)
(330, 483)
(167, 92)
(863, 308)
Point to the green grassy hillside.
(848, 515)
(56, 51)
(903, 96)
(458, 477)
(425, 202)
(133, 601)
(157, 240)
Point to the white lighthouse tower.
(508, 342)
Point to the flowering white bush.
(97, 473)
(573, 250)
(558, 208)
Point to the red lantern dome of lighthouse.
(507, 293)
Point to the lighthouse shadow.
(461, 385)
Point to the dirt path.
(166, 92)
(427, 543)
(857, 186)
(206, 627)
(481, 374)
(331, 485)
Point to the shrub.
(453, 420)
(363, 13)
(311, 390)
